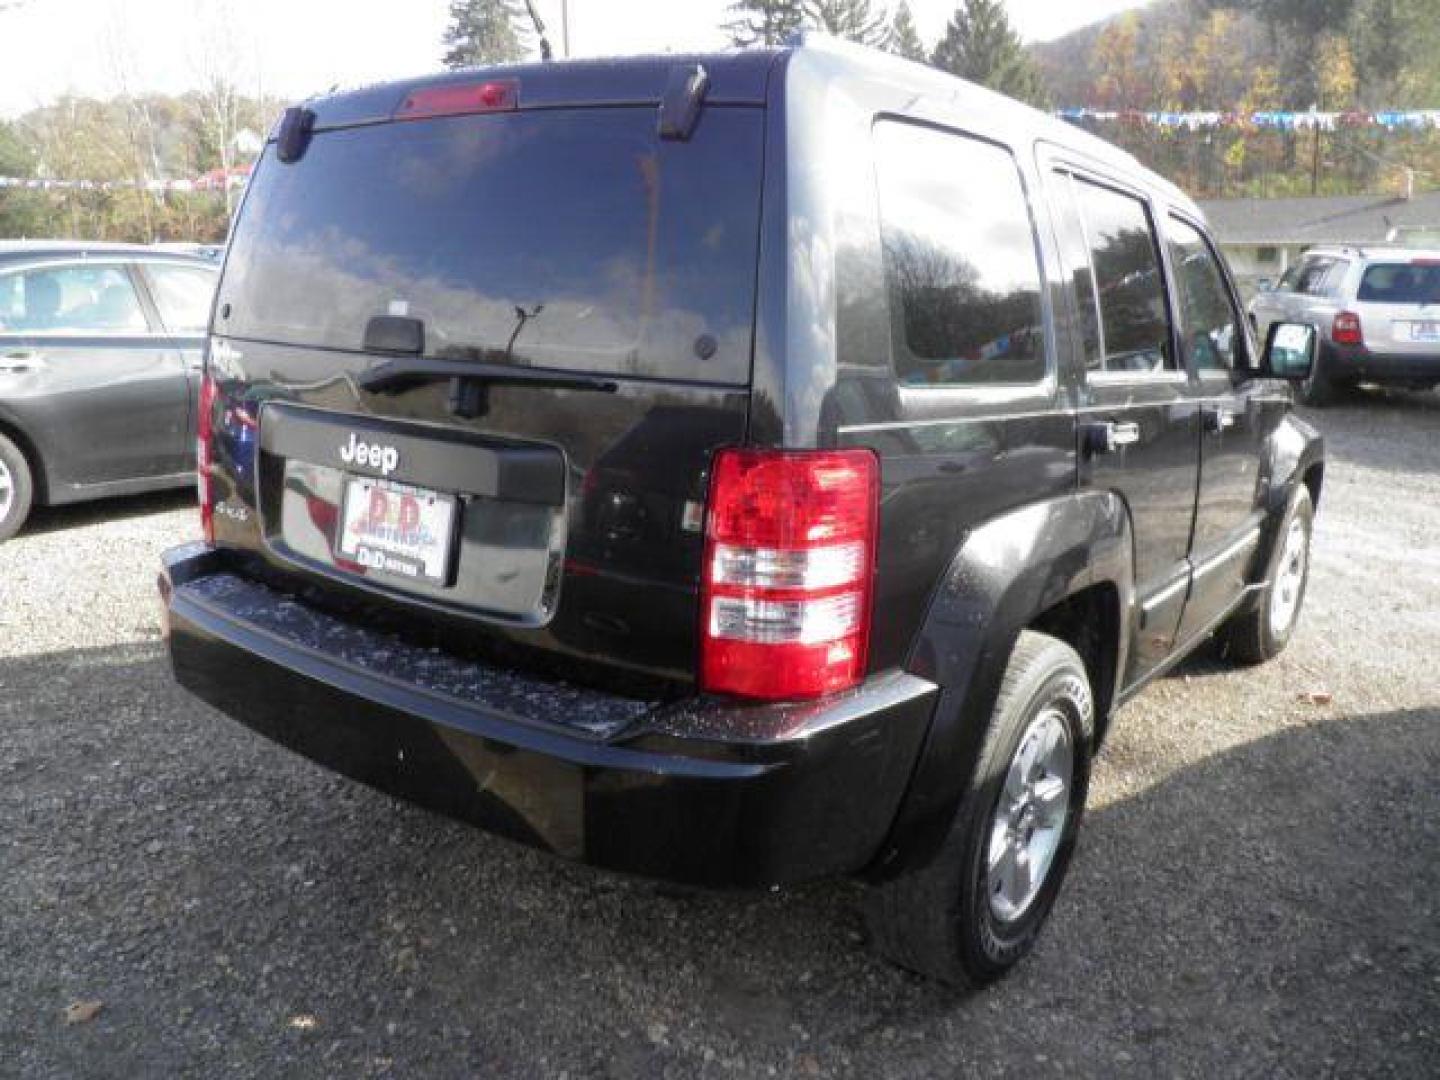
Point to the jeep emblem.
(375, 455)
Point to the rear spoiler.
(728, 79)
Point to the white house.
(1263, 237)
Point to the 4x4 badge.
(375, 455)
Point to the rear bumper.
(1357, 363)
(701, 792)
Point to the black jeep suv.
(733, 469)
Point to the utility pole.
(565, 27)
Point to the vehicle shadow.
(49, 519)
(1361, 428)
(1270, 910)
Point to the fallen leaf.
(82, 1012)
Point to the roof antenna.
(539, 30)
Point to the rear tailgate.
(602, 281)
(1399, 307)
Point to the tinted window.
(1075, 257)
(1401, 283)
(571, 239)
(80, 299)
(960, 260)
(183, 294)
(1314, 275)
(1212, 329)
(1133, 320)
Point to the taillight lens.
(789, 564)
(204, 427)
(1345, 330)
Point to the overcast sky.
(297, 47)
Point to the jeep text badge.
(375, 455)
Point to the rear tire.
(977, 907)
(1262, 632)
(17, 489)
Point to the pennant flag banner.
(1412, 120)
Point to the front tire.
(17, 489)
(1262, 632)
(977, 907)
(1319, 390)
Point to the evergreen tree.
(980, 45)
(763, 23)
(904, 39)
(482, 32)
(854, 20)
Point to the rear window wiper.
(398, 374)
(470, 380)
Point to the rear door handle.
(19, 361)
(1220, 420)
(1110, 437)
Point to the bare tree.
(138, 127)
(215, 62)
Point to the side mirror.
(1290, 351)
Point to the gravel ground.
(1256, 892)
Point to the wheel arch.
(1048, 566)
(28, 447)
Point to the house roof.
(1347, 219)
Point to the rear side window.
(1317, 275)
(1129, 288)
(183, 294)
(961, 265)
(574, 239)
(80, 299)
(1401, 283)
(1212, 327)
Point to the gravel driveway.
(1257, 890)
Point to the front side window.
(70, 299)
(1134, 324)
(183, 294)
(1212, 328)
(961, 266)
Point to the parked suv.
(734, 469)
(100, 353)
(1377, 311)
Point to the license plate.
(397, 529)
(1425, 331)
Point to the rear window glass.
(1401, 283)
(78, 299)
(960, 259)
(1134, 319)
(183, 294)
(569, 239)
(1317, 275)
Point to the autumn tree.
(1122, 77)
(763, 23)
(979, 44)
(854, 20)
(904, 39)
(482, 32)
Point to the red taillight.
(204, 426)
(459, 99)
(789, 563)
(1346, 329)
